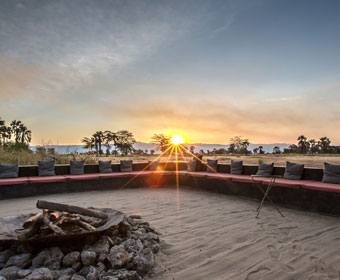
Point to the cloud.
(228, 22)
(17, 77)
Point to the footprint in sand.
(319, 265)
(287, 267)
(274, 253)
(258, 274)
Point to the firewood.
(85, 226)
(42, 204)
(32, 227)
(32, 220)
(53, 227)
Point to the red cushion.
(241, 178)
(47, 179)
(218, 176)
(320, 186)
(183, 172)
(198, 174)
(114, 175)
(280, 182)
(13, 181)
(82, 177)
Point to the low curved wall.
(299, 198)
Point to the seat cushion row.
(82, 177)
(279, 182)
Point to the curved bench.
(307, 194)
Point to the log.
(32, 220)
(32, 226)
(53, 227)
(42, 204)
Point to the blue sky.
(265, 70)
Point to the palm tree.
(325, 145)
(313, 146)
(98, 141)
(89, 143)
(5, 132)
(26, 135)
(302, 143)
(125, 141)
(16, 129)
(109, 138)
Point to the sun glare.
(176, 140)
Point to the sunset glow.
(176, 140)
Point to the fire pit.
(71, 242)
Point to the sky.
(266, 70)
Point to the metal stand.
(265, 195)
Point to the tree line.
(312, 146)
(15, 135)
(239, 146)
(122, 141)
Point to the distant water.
(69, 149)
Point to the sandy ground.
(213, 236)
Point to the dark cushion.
(331, 173)
(236, 167)
(212, 163)
(293, 171)
(76, 167)
(153, 165)
(9, 171)
(199, 164)
(46, 168)
(105, 166)
(265, 169)
(192, 165)
(126, 165)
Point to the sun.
(176, 140)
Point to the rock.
(71, 258)
(144, 261)
(77, 277)
(118, 257)
(42, 273)
(20, 261)
(102, 246)
(101, 257)
(124, 228)
(133, 246)
(153, 245)
(109, 278)
(92, 273)
(152, 236)
(138, 234)
(77, 266)
(121, 274)
(65, 277)
(10, 273)
(88, 257)
(135, 216)
(50, 258)
(5, 255)
(67, 271)
(66, 274)
(23, 273)
(101, 267)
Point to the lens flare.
(176, 140)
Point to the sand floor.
(213, 236)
